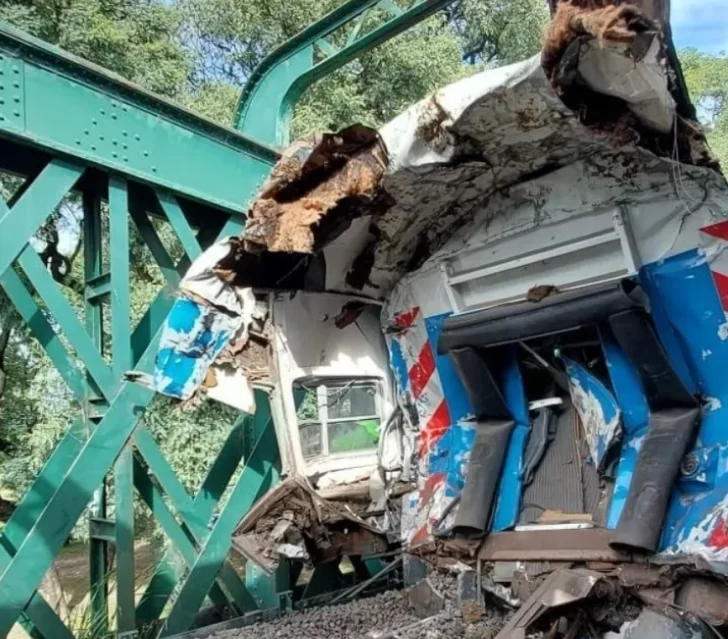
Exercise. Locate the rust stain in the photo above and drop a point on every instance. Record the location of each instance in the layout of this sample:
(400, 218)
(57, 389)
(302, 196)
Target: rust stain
(331, 175)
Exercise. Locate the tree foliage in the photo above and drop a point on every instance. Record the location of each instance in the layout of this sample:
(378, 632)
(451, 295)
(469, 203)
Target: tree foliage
(229, 38)
(707, 78)
(201, 52)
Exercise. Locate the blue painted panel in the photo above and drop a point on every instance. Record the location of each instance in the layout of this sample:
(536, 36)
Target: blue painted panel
(456, 396)
(691, 323)
(399, 366)
(509, 490)
(451, 454)
(684, 287)
(665, 330)
(597, 408)
(627, 387)
(193, 336)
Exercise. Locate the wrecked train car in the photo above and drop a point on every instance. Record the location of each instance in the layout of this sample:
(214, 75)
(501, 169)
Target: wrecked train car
(509, 304)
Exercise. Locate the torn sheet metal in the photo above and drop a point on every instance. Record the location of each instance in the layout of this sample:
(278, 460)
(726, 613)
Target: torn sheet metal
(317, 188)
(665, 624)
(635, 411)
(597, 408)
(193, 336)
(208, 315)
(292, 520)
(562, 587)
(615, 51)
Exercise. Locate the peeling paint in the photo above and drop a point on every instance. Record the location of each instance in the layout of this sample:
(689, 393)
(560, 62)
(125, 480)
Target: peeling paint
(600, 416)
(723, 331)
(708, 538)
(713, 403)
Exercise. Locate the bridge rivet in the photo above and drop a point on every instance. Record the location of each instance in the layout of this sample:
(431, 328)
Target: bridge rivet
(93, 147)
(16, 85)
(2, 117)
(113, 155)
(16, 114)
(113, 142)
(16, 70)
(146, 154)
(103, 112)
(16, 99)
(2, 101)
(93, 121)
(85, 131)
(113, 116)
(78, 141)
(126, 159)
(137, 138)
(154, 168)
(124, 146)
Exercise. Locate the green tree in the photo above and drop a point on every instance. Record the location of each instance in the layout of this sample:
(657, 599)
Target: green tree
(201, 52)
(707, 78)
(135, 38)
(229, 38)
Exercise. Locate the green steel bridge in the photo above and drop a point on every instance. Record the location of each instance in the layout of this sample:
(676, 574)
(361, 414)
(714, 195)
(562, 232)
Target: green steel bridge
(69, 127)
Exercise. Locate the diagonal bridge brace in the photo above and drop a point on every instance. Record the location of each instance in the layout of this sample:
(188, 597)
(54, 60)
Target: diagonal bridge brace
(46, 515)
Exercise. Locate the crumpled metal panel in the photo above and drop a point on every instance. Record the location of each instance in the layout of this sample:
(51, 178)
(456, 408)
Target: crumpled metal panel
(598, 410)
(207, 316)
(314, 192)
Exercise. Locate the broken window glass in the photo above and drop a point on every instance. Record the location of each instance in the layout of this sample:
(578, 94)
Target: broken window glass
(337, 416)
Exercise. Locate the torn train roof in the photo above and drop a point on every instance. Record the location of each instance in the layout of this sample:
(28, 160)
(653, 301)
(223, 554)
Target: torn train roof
(603, 89)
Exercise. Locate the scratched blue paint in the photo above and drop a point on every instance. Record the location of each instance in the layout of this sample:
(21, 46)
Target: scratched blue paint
(631, 398)
(509, 490)
(602, 434)
(665, 330)
(690, 314)
(451, 454)
(193, 336)
(456, 396)
(399, 366)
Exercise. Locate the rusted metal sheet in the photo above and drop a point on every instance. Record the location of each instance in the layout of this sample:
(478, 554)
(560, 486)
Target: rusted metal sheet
(294, 521)
(551, 545)
(334, 176)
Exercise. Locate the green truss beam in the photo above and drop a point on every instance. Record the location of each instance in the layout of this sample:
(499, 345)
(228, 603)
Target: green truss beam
(99, 118)
(266, 104)
(107, 137)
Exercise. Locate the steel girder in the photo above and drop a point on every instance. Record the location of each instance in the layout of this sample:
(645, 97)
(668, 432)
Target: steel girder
(69, 127)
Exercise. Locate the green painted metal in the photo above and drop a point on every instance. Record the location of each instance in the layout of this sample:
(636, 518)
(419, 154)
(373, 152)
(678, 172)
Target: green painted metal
(193, 529)
(120, 299)
(103, 119)
(42, 330)
(268, 590)
(21, 220)
(266, 103)
(167, 573)
(111, 140)
(216, 546)
(179, 223)
(99, 546)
